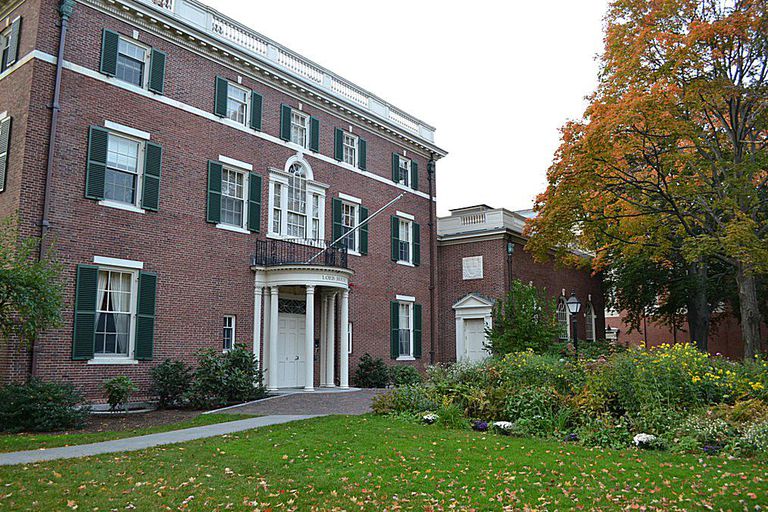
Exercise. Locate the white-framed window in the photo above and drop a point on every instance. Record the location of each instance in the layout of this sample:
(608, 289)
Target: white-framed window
(233, 204)
(237, 103)
(132, 59)
(300, 128)
(589, 322)
(405, 172)
(563, 319)
(5, 47)
(296, 205)
(115, 312)
(349, 220)
(405, 241)
(228, 332)
(405, 330)
(125, 158)
(350, 149)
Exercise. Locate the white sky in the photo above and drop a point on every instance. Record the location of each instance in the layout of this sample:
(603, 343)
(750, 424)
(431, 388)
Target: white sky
(497, 79)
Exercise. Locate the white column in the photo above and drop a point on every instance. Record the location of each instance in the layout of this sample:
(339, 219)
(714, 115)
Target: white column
(330, 351)
(344, 341)
(309, 345)
(257, 292)
(273, 324)
(323, 339)
(267, 314)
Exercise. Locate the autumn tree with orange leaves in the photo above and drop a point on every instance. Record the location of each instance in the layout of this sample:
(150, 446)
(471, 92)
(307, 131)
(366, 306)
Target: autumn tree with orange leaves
(670, 161)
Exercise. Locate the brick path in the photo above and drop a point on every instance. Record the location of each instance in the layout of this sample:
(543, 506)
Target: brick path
(317, 403)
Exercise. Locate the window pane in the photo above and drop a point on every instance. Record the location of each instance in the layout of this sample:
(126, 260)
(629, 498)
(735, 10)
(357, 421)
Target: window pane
(299, 128)
(122, 153)
(120, 186)
(405, 330)
(237, 104)
(113, 313)
(130, 62)
(350, 149)
(232, 202)
(348, 223)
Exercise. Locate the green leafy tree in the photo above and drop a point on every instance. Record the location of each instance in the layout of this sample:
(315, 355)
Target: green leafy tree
(31, 291)
(525, 319)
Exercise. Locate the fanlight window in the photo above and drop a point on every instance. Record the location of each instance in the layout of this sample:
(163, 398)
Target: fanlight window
(563, 319)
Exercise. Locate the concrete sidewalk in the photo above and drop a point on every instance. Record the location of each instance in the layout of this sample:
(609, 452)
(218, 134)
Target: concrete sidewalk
(131, 444)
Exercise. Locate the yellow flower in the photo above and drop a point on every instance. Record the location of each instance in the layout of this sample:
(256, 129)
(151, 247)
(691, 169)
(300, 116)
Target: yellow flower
(696, 379)
(757, 386)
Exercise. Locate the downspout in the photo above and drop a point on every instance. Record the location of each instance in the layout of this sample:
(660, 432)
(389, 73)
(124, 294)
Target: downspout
(66, 7)
(432, 243)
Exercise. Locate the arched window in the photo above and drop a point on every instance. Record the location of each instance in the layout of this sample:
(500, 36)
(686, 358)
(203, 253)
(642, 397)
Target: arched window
(296, 203)
(563, 319)
(589, 320)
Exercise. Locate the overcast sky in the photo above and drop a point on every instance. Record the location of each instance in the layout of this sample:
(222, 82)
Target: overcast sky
(497, 79)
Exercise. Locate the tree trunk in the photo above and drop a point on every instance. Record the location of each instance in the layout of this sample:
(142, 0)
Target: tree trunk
(698, 305)
(750, 312)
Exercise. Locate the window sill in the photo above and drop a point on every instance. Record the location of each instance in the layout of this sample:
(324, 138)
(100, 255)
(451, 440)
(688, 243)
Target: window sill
(121, 206)
(405, 264)
(405, 358)
(234, 229)
(297, 241)
(112, 361)
(354, 253)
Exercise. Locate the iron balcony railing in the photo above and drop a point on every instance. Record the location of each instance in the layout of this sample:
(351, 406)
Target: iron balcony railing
(273, 253)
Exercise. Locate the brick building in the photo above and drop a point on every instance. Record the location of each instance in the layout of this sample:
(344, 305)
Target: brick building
(191, 176)
(481, 251)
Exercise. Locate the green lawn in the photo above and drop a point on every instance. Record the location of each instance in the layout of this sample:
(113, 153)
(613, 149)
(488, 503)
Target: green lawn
(18, 442)
(377, 464)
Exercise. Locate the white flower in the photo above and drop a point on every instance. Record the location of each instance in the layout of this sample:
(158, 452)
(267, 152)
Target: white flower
(430, 417)
(644, 439)
(503, 425)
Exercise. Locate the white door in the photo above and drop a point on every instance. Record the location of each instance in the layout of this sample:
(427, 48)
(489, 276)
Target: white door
(291, 357)
(474, 339)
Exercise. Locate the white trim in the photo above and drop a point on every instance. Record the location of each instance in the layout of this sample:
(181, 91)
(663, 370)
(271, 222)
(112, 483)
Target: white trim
(405, 298)
(98, 360)
(122, 206)
(3, 115)
(405, 263)
(50, 59)
(117, 262)
(234, 332)
(351, 199)
(403, 215)
(298, 158)
(127, 130)
(406, 358)
(234, 229)
(235, 163)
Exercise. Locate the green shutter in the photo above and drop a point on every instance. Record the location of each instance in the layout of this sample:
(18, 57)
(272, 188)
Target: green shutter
(220, 98)
(98, 140)
(285, 122)
(394, 322)
(84, 333)
(336, 213)
(338, 144)
(395, 167)
(5, 145)
(157, 71)
(109, 43)
(254, 202)
(145, 316)
(214, 192)
(395, 222)
(414, 175)
(13, 44)
(314, 134)
(363, 230)
(417, 331)
(416, 244)
(256, 105)
(362, 154)
(153, 163)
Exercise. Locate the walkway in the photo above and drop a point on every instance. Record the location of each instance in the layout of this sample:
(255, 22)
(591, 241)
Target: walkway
(274, 411)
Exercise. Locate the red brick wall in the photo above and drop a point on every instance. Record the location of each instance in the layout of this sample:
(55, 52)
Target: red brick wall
(498, 271)
(203, 271)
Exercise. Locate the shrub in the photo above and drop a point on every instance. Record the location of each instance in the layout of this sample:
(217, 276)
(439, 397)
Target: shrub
(39, 406)
(451, 416)
(401, 375)
(754, 440)
(525, 319)
(604, 431)
(119, 391)
(538, 412)
(170, 381)
(371, 373)
(413, 399)
(226, 378)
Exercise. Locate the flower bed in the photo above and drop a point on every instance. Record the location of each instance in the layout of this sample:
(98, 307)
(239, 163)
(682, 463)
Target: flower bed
(670, 397)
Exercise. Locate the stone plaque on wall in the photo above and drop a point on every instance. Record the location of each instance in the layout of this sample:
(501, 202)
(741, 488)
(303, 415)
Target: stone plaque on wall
(473, 268)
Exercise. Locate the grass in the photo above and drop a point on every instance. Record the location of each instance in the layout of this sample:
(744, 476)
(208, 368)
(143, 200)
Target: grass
(18, 442)
(374, 463)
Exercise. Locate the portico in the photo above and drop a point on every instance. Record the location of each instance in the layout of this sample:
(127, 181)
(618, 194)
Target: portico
(293, 337)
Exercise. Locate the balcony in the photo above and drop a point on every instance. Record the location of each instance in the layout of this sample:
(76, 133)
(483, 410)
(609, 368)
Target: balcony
(275, 253)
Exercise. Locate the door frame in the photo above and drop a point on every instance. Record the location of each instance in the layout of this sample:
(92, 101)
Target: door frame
(473, 306)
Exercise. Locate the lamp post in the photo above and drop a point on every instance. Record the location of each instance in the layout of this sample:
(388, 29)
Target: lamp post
(574, 306)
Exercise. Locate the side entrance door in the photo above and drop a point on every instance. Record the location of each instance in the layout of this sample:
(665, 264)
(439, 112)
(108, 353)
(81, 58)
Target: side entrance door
(291, 355)
(474, 339)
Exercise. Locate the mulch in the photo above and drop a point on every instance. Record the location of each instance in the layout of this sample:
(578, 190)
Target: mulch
(120, 422)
